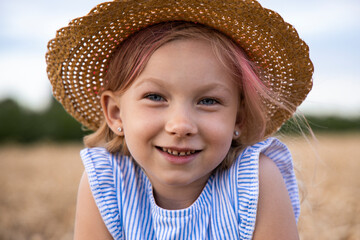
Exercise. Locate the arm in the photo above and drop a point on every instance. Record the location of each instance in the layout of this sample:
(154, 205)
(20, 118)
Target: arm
(275, 218)
(88, 222)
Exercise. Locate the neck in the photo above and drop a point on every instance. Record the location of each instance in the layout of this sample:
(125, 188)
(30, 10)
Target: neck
(177, 197)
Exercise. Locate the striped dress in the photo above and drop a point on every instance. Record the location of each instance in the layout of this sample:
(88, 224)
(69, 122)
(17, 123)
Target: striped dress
(226, 208)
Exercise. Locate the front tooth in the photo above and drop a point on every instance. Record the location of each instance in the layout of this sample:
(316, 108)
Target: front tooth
(176, 153)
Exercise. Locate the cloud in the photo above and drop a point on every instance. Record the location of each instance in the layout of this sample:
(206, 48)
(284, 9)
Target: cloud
(334, 94)
(331, 18)
(318, 17)
(23, 77)
(37, 21)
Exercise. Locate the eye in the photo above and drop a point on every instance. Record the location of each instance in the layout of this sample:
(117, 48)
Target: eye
(154, 97)
(209, 101)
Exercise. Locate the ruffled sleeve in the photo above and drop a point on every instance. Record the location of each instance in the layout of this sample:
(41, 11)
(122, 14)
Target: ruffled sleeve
(100, 170)
(247, 166)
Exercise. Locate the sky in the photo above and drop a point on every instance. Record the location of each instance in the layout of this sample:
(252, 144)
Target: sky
(330, 28)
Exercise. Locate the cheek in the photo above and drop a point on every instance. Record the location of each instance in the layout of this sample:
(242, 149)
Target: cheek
(223, 140)
(138, 119)
(139, 129)
(219, 132)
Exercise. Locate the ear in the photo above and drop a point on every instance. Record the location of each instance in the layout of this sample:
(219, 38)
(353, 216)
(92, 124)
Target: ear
(110, 104)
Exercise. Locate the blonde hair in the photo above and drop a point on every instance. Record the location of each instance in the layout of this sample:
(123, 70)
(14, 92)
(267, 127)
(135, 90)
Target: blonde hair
(131, 57)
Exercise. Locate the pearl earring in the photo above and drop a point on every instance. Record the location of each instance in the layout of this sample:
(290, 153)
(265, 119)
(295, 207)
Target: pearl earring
(119, 129)
(236, 133)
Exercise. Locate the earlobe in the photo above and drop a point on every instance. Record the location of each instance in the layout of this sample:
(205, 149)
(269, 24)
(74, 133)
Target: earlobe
(110, 104)
(236, 134)
(239, 123)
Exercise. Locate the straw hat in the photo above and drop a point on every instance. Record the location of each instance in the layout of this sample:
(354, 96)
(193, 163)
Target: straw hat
(78, 56)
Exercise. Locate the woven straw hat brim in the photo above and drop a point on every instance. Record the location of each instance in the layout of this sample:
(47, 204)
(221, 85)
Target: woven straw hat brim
(78, 56)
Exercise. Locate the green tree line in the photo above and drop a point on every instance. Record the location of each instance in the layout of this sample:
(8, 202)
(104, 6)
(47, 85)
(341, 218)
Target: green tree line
(19, 124)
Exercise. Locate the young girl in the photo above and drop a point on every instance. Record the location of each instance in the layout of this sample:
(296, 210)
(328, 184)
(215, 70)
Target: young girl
(182, 97)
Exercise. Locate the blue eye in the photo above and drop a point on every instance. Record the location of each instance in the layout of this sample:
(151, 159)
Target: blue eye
(208, 101)
(154, 97)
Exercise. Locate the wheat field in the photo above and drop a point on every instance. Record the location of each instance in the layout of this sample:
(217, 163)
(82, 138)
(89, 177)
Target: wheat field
(38, 185)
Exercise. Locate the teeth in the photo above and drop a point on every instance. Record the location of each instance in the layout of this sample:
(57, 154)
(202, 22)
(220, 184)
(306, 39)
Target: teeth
(176, 153)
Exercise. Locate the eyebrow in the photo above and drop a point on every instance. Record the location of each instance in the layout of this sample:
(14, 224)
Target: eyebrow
(162, 83)
(217, 86)
(147, 80)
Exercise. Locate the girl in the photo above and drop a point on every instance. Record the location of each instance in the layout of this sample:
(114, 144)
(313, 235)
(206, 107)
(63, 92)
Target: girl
(182, 96)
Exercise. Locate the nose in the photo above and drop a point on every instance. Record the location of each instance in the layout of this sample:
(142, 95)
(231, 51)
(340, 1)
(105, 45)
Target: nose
(181, 123)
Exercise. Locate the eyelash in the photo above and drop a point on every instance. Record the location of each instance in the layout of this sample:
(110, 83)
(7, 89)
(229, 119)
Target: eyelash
(213, 101)
(158, 98)
(152, 96)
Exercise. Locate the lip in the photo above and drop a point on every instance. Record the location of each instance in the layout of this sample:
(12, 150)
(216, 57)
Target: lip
(178, 160)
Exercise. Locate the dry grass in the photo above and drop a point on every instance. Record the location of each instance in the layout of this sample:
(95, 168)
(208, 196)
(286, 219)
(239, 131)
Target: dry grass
(38, 185)
(331, 209)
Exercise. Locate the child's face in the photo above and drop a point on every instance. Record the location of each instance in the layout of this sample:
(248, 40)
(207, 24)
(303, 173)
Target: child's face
(184, 102)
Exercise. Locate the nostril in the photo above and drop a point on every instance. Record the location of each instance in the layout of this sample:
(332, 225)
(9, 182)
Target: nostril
(181, 128)
(184, 130)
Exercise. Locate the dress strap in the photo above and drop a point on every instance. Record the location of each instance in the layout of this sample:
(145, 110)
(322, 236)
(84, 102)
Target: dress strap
(247, 168)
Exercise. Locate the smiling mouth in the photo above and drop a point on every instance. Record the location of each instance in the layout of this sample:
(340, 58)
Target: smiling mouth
(177, 152)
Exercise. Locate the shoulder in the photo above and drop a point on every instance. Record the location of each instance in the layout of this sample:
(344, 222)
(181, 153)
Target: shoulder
(267, 194)
(103, 180)
(275, 217)
(88, 220)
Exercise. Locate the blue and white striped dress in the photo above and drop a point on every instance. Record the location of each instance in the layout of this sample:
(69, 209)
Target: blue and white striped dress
(226, 208)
